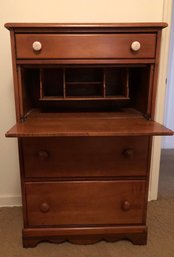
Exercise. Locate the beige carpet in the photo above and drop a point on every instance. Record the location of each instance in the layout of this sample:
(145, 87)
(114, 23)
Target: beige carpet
(160, 223)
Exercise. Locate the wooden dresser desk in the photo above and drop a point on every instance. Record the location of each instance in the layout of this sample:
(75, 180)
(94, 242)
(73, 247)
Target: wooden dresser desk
(85, 102)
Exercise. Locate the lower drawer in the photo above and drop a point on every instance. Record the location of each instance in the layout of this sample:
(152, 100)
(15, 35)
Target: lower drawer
(85, 202)
(85, 156)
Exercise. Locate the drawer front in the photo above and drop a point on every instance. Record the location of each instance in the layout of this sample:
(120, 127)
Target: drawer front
(90, 46)
(85, 156)
(75, 203)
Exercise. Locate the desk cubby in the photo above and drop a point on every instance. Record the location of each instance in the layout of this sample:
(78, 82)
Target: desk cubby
(119, 85)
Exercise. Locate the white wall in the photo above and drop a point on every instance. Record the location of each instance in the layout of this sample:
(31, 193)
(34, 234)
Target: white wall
(168, 142)
(51, 11)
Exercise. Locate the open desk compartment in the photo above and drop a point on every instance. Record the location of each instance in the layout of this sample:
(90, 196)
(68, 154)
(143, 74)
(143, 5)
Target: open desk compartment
(87, 88)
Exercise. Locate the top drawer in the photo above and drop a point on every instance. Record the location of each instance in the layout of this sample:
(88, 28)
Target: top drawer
(89, 46)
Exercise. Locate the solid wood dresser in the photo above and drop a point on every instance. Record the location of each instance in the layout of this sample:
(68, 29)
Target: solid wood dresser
(85, 103)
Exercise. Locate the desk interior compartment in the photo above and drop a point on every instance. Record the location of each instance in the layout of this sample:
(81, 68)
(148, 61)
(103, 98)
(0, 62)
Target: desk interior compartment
(86, 88)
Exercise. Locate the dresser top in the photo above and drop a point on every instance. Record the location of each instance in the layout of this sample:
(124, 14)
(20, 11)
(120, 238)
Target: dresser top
(97, 26)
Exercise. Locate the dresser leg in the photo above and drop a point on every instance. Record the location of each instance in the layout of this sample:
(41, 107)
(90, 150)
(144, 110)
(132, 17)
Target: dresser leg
(138, 239)
(29, 242)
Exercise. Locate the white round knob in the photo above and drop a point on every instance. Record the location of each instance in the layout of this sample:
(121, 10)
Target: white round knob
(135, 46)
(37, 46)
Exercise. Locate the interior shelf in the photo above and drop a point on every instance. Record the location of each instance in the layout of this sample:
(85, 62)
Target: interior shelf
(87, 98)
(83, 83)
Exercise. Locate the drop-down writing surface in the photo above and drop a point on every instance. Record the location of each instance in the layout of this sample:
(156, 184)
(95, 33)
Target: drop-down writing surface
(86, 124)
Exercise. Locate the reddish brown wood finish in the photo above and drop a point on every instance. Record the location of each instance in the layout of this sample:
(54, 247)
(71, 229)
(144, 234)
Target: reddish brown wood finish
(88, 203)
(137, 234)
(102, 46)
(87, 157)
(51, 125)
(85, 172)
(84, 61)
(85, 27)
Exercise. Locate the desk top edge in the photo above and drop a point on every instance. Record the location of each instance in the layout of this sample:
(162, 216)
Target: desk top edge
(158, 25)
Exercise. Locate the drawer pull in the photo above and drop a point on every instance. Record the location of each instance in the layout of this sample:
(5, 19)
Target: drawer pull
(44, 207)
(37, 46)
(126, 206)
(43, 155)
(129, 152)
(135, 46)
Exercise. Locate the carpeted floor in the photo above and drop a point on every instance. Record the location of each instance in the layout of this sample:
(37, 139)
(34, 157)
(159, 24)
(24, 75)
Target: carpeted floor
(160, 234)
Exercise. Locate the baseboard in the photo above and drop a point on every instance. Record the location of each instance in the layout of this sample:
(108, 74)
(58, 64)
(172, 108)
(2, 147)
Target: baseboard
(9, 201)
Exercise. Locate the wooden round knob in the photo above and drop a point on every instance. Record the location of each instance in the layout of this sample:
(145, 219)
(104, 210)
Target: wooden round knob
(135, 46)
(126, 206)
(129, 152)
(44, 207)
(37, 46)
(43, 155)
